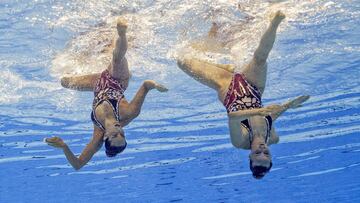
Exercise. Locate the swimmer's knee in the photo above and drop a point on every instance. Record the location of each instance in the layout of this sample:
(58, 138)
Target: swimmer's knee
(181, 62)
(65, 82)
(184, 61)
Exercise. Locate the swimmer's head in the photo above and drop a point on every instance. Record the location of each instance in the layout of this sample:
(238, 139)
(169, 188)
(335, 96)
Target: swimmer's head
(260, 161)
(115, 141)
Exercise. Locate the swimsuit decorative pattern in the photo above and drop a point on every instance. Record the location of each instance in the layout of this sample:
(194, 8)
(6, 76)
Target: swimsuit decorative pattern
(110, 90)
(241, 95)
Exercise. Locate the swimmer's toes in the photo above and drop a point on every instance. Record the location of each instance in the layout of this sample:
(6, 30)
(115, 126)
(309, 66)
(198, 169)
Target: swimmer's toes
(161, 88)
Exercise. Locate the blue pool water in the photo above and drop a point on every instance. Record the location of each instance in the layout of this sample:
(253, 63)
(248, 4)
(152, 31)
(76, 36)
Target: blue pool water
(179, 148)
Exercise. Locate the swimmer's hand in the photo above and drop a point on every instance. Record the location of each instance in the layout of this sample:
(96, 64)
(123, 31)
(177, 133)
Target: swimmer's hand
(151, 84)
(55, 142)
(297, 102)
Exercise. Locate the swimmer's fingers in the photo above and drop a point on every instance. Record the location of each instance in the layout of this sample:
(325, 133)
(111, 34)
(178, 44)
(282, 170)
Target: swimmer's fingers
(55, 142)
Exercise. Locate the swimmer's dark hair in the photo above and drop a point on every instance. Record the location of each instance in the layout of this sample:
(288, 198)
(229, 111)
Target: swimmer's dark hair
(259, 172)
(112, 151)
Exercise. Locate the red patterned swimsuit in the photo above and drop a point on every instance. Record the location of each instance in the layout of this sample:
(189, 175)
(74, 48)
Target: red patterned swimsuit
(110, 90)
(242, 95)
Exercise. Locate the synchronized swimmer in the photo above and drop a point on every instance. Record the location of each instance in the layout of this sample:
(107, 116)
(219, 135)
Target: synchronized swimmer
(110, 110)
(250, 123)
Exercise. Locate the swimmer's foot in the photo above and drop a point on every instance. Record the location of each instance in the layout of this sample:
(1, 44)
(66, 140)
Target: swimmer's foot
(277, 18)
(151, 84)
(161, 88)
(121, 25)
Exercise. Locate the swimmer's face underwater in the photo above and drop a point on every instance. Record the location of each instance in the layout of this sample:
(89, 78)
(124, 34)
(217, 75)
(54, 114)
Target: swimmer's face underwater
(260, 160)
(115, 141)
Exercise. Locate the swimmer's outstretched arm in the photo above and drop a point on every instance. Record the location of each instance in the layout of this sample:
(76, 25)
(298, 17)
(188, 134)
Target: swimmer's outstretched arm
(91, 148)
(138, 100)
(274, 110)
(277, 110)
(80, 83)
(245, 114)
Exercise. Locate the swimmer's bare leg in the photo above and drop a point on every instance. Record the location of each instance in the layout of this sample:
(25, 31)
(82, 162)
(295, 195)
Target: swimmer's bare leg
(228, 67)
(119, 65)
(255, 71)
(136, 103)
(81, 83)
(211, 42)
(207, 74)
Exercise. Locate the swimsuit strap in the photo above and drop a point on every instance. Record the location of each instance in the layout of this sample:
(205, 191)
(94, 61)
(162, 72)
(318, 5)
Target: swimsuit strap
(96, 122)
(268, 120)
(251, 135)
(115, 106)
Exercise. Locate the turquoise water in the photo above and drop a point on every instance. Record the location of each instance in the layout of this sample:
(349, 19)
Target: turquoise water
(179, 148)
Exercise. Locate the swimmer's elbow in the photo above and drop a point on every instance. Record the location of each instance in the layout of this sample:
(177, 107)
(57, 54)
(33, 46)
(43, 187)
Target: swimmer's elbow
(276, 140)
(77, 167)
(238, 144)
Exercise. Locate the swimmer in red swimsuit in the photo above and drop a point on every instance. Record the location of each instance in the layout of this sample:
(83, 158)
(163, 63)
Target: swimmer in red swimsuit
(250, 123)
(110, 112)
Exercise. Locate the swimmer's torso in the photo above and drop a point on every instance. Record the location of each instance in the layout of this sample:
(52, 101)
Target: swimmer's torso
(242, 95)
(109, 100)
(259, 128)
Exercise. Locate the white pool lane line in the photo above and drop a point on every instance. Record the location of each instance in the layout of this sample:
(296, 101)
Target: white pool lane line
(325, 171)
